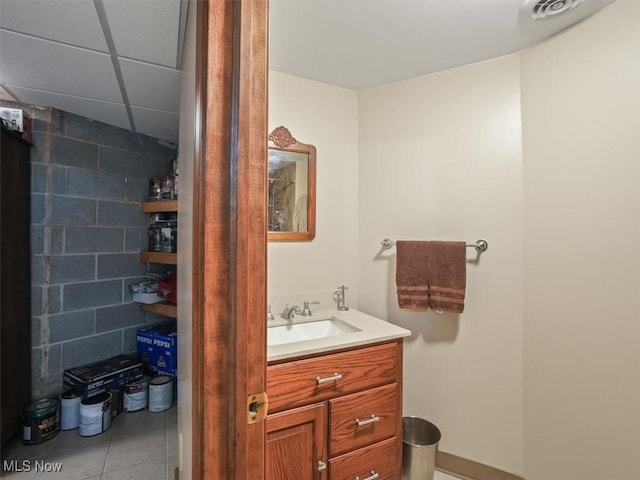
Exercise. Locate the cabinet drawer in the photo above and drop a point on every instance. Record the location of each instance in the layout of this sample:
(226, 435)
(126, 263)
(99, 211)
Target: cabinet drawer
(301, 382)
(362, 418)
(381, 458)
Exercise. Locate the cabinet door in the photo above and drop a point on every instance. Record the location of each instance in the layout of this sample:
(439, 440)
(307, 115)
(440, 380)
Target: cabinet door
(296, 443)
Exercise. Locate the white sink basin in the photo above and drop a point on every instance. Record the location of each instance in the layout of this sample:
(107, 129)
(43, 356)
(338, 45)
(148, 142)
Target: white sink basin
(308, 330)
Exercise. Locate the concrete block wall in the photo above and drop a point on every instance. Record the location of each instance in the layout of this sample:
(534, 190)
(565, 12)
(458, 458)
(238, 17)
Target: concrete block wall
(88, 179)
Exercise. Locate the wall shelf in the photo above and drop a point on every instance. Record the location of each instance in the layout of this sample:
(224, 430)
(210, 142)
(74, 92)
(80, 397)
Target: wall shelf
(162, 308)
(159, 257)
(159, 206)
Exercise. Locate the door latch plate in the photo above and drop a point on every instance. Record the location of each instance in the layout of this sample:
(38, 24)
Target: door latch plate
(257, 407)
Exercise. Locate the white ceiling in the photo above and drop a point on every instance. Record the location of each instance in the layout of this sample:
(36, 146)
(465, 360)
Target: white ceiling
(118, 61)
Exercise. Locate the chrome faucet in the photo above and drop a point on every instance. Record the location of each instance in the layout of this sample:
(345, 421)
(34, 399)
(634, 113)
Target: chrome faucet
(289, 312)
(306, 311)
(340, 298)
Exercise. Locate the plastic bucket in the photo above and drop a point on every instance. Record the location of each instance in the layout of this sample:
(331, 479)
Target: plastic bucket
(419, 447)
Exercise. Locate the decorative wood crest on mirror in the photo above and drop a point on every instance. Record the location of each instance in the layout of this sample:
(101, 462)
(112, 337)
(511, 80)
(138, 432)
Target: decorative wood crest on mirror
(291, 208)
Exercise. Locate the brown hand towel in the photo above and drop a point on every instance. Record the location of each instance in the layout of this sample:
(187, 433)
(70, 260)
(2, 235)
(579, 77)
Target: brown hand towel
(412, 274)
(447, 276)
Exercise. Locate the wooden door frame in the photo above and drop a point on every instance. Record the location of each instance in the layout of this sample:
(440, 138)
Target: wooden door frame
(229, 238)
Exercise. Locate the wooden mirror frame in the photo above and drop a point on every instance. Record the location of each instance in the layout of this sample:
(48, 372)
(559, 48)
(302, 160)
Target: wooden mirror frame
(281, 139)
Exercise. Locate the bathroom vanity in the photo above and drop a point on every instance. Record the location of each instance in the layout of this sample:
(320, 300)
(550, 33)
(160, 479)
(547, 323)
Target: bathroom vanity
(335, 403)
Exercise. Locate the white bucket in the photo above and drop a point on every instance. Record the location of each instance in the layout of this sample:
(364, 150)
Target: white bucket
(160, 393)
(95, 415)
(135, 395)
(69, 410)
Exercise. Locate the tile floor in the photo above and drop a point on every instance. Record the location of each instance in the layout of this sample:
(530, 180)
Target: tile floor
(138, 446)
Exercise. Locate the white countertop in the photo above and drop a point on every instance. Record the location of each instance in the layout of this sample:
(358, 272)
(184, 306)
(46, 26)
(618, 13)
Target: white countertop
(372, 330)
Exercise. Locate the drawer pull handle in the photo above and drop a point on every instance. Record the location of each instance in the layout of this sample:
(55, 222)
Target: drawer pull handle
(334, 378)
(373, 419)
(373, 476)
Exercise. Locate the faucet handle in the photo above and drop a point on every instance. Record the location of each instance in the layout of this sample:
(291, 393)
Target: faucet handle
(306, 311)
(270, 316)
(340, 297)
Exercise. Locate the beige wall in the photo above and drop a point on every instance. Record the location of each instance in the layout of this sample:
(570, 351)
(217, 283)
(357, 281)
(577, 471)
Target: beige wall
(539, 153)
(326, 117)
(440, 158)
(581, 118)
(185, 251)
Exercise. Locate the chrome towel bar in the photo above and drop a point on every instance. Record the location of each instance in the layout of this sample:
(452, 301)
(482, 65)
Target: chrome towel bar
(481, 245)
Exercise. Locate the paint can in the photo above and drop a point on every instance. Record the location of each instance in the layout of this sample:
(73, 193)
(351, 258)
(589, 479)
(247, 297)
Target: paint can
(40, 421)
(95, 414)
(135, 395)
(69, 410)
(116, 401)
(160, 393)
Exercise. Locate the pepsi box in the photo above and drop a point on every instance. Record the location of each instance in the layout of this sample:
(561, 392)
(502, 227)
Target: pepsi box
(157, 346)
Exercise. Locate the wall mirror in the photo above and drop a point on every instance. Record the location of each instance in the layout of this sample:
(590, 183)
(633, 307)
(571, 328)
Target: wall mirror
(291, 203)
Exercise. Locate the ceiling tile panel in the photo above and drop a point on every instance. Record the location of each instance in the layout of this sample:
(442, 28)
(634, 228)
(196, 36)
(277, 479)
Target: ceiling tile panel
(69, 21)
(156, 123)
(4, 95)
(151, 86)
(111, 113)
(45, 65)
(137, 37)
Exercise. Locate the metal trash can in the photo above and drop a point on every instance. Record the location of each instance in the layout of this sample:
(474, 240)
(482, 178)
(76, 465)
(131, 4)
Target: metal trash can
(419, 448)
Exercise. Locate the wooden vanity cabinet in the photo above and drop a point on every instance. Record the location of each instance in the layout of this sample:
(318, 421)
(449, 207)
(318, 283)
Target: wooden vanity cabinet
(337, 415)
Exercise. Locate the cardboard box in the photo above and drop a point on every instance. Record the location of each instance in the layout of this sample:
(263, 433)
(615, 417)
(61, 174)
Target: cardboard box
(104, 376)
(144, 297)
(157, 346)
(16, 120)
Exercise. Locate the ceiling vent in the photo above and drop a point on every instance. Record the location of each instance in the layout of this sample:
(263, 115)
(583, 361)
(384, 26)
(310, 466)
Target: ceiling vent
(545, 9)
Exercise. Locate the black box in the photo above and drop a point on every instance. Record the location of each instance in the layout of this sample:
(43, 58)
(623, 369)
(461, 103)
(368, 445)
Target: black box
(104, 376)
